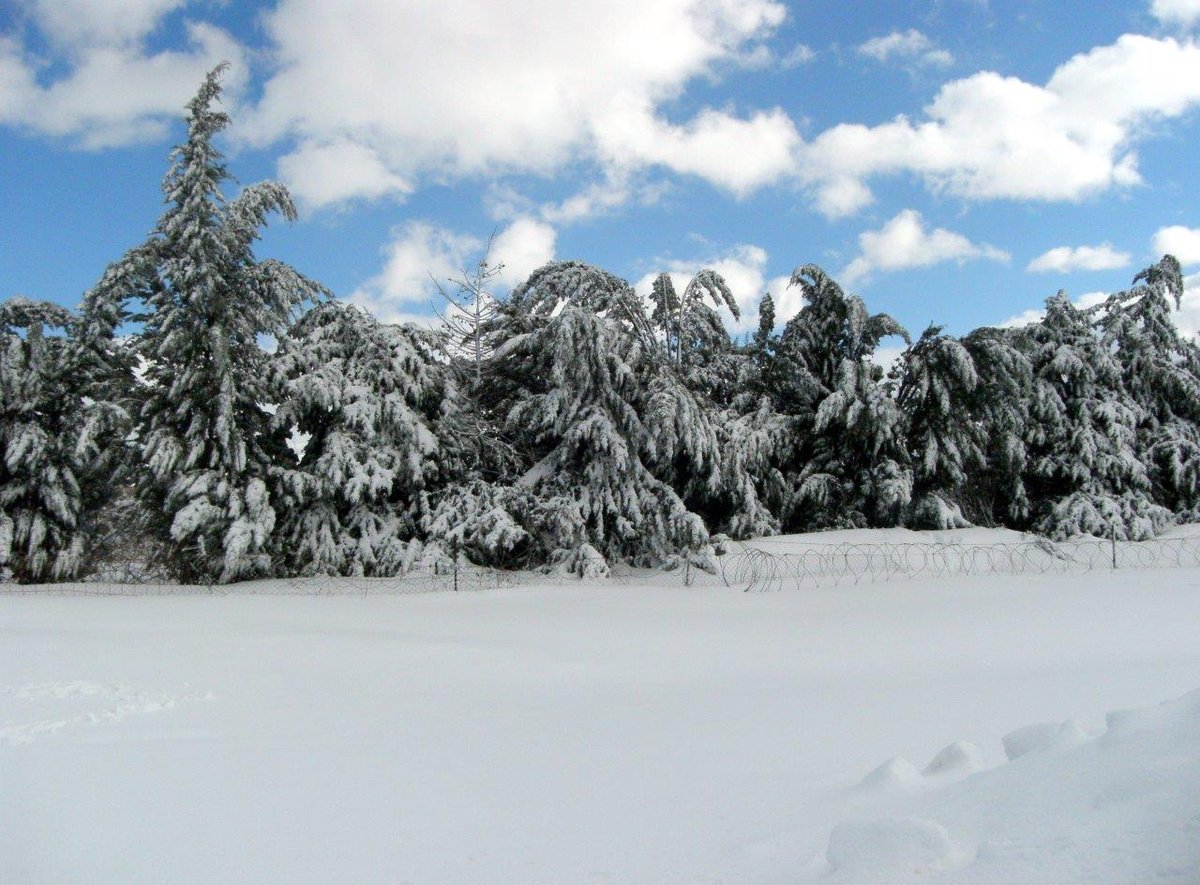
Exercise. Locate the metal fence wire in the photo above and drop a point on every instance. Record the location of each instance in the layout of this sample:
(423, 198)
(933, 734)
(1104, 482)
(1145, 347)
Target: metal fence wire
(763, 565)
(753, 567)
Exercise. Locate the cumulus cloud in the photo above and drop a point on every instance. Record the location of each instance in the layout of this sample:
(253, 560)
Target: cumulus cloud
(909, 46)
(112, 91)
(1182, 242)
(1176, 12)
(463, 88)
(422, 255)
(905, 242)
(1065, 259)
(522, 247)
(993, 137)
(323, 174)
(1187, 318)
(87, 23)
(738, 155)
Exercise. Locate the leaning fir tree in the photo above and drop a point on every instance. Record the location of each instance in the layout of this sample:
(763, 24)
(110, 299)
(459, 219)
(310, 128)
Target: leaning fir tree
(209, 455)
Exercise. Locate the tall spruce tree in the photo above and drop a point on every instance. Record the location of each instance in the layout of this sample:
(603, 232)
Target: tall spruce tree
(209, 456)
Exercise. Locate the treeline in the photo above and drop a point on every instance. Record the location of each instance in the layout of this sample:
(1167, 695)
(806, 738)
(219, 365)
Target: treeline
(569, 426)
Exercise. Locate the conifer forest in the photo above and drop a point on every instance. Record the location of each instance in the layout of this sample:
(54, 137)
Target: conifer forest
(226, 417)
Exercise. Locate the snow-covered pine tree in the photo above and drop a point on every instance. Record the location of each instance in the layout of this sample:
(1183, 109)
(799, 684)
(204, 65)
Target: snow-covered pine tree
(553, 286)
(56, 443)
(579, 413)
(935, 379)
(208, 453)
(1084, 476)
(105, 369)
(578, 375)
(468, 340)
(716, 446)
(999, 408)
(367, 399)
(693, 337)
(754, 439)
(1161, 373)
(470, 309)
(849, 466)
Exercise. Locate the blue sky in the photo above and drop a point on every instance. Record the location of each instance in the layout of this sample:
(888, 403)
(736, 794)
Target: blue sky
(952, 160)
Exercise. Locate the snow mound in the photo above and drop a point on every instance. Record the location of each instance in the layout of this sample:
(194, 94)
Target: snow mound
(896, 773)
(1066, 807)
(1043, 736)
(956, 759)
(882, 847)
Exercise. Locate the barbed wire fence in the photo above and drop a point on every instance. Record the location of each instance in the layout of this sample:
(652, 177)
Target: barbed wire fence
(768, 564)
(811, 564)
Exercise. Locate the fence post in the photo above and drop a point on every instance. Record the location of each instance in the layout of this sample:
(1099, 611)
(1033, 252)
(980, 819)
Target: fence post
(687, 568)
(1112, 529)
(454, 554)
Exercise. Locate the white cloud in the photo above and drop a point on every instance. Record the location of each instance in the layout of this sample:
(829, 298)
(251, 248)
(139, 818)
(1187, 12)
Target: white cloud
(1064, 259)
(522, 247)
(886, 356)
(904, 242)
(617, 188)
(1182, 242)
(326, 174)
(113, 91)
(1022, 319)
(801, 54)
(423, 255)
(1187, 318)
(87, 23)
(739, 155)
(910, 46)
(1177, 12)
(459, 87)
(742, 268)
(420, 256)
(993, 137)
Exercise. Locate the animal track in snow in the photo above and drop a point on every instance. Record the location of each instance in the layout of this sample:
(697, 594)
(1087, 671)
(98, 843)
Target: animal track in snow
(122, 701)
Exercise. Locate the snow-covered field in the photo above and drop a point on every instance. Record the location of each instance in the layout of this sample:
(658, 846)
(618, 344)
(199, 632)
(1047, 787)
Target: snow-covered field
(593, 733)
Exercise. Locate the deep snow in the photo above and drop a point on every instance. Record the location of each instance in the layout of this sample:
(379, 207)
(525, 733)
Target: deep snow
(607, 733)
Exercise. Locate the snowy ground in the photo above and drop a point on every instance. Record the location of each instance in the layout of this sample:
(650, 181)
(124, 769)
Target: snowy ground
(600, 733)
